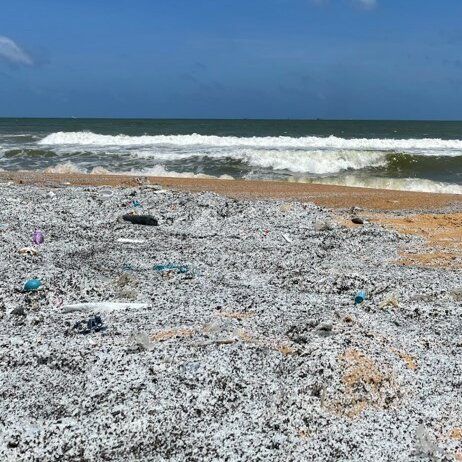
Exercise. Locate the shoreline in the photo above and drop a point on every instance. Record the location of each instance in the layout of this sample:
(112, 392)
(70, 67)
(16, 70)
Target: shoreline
(320, 194)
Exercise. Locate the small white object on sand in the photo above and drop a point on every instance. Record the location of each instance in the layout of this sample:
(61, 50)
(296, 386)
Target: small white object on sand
(28, 251)
(103, 306)
(124, 240)
(287, 238)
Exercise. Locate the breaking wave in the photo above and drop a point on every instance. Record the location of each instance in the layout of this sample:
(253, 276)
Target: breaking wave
(433, 146)
(398, 184)
(311, 154)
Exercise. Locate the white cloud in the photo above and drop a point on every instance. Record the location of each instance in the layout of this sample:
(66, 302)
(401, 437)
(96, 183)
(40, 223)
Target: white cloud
(367, 3)
(13, 53)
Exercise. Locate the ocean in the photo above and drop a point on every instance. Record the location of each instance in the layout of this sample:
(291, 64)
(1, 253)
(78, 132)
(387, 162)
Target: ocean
(404, 155)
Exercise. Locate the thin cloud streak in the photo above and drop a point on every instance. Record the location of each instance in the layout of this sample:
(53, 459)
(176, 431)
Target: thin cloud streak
(368, 4)
(13, 53)
(365, 4)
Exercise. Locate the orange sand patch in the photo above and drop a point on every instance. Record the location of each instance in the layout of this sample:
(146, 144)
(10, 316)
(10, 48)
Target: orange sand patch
(164, 335)
(364, 384)
(441, 232)
(410, 361)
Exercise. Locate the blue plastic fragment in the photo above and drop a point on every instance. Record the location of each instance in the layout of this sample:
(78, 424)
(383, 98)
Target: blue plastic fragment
(32, 284)
(360, 297)
(171, 267)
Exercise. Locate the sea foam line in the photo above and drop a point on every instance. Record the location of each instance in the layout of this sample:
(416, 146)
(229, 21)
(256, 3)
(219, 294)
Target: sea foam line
(428, 146)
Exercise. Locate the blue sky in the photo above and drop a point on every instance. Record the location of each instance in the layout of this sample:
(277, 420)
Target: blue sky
(232, 58)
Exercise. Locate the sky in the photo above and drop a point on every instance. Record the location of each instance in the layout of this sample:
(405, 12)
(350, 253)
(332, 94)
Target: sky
(339, 59)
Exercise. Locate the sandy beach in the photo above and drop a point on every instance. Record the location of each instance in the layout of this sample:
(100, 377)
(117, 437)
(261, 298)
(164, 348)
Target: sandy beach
(320, 194)
(232, 331)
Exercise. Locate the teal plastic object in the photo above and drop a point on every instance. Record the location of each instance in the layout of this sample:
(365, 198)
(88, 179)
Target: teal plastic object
(171, 267)
(32, 284)
(360, 297)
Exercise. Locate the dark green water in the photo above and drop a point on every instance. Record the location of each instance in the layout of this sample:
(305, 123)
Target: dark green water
(394, 154)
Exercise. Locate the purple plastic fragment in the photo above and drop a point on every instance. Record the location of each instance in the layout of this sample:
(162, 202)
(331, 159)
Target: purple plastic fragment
(38, 237)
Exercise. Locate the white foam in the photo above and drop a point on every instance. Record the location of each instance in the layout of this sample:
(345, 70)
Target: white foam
(429, 146)
(316, 162)
(159, 170)
(398, 184)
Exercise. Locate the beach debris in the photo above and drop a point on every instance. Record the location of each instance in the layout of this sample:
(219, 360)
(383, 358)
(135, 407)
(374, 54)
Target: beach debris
(147, 220)
(38, 237)
(123, 240)
(142, 340)
(32, 285)
(357, 221)
(457, 294)
(106, 193)
(103, 306)
(389, 301)
(171, 267)
(287, 238)
(323, 225)
(51, 194)
(426, 443)
(129, 267)
(93, 324)
(136, 203)
(126, 279)
(360, 297)
(28, 251)
(324, 329)
(19, 311)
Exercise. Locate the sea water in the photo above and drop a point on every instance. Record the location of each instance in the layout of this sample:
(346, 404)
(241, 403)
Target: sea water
(420, 156)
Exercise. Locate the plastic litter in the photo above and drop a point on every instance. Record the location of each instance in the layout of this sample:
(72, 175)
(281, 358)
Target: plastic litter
(123, 240)
(147, 220)
(323, 225)
(287, 238)
(426, 443)
(393, 301)
(136, 203)
(28, 251)
(93, 324)
(171, 267)
(32, 285)
(106, 193)
(103, 306)
(143, 341)
(360, 297)
(37, 237)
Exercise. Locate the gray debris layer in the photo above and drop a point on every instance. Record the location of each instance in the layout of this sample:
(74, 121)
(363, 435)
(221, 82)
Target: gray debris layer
(256, 352)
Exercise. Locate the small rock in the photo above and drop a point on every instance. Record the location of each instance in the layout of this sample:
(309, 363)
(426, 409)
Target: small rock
(325, 329)
(146, 220)
(19, 311)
